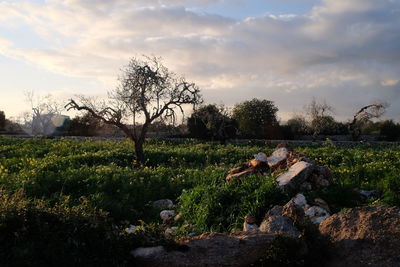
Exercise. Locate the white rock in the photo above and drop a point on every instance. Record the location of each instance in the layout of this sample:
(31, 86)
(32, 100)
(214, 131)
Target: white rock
(300, 200)
(147, 253)
(250, 227)
(295, 176)
(131, 229)
(316, 214)
(261, 157)
(278, 156)
(167, 215)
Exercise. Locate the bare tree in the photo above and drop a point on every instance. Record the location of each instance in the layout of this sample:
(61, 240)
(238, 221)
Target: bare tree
(319, 114)
(44, 111)
(366, 113)
(147, 91)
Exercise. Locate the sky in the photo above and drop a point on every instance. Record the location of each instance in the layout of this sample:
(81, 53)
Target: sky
(346, 53)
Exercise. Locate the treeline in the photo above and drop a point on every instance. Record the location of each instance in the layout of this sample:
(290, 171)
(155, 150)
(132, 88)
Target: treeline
(252, 119)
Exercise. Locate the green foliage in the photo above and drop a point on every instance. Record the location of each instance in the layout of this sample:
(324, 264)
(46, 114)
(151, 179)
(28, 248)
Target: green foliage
(211, 122)
(222, 207)
(75, 191)
(256, 118)
(35, 233)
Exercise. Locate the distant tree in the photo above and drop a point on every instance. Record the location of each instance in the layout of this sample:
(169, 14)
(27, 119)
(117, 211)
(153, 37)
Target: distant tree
(2, 120)
(45, 111)
(320, 118)
(389, 130)
(212, 122)
(256, 118)
(298, 125)
(85, 125)
(365, 114)
(147, 91)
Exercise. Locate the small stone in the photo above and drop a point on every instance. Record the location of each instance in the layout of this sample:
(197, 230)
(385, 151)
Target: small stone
(317, 214)
(250, 227)
(322, 203)
(367, 194)
(300, 200)
(163, 204)
(167, 215)
(131, 229)
(295, 208)
(282, 225)
(147, 253)
(260, 156)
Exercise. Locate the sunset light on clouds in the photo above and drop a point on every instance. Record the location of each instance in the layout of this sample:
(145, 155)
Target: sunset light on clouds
(287, 51)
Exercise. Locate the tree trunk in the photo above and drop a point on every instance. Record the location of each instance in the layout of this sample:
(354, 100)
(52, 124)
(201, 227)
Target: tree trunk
(139, 151)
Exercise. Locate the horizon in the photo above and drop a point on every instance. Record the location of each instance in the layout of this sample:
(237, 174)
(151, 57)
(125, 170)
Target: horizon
(346, 53)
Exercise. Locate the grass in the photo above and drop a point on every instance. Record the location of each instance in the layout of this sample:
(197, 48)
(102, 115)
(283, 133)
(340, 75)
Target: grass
(191, 173)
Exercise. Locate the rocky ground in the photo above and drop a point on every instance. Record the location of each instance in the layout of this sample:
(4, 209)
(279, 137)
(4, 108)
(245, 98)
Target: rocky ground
(362, 236)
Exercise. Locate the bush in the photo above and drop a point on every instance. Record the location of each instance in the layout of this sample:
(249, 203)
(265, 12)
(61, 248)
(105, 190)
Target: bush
(35, 233)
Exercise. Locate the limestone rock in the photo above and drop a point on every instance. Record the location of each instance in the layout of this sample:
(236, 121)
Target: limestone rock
(367, 194)
(147, 253)
(364, 236)
(316, 214)
(278, 156)
(250, 227)
(281, 225)
(275, 211)
(167, 215)
(295, 176)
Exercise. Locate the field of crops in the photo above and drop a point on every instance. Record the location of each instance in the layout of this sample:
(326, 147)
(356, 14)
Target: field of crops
(100, 177)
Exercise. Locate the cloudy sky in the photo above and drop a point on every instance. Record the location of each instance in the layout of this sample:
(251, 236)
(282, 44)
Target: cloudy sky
(346, 52)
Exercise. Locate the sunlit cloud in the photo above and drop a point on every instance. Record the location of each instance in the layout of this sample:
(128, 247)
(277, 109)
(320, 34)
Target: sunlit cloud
(347, 52)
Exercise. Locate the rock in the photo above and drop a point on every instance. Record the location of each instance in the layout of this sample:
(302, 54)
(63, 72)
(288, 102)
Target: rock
(367, 194)
(250, 224)
(322, 203)
(275, 211)
(281, 225)
(364, 236)
(131, 229)
(295, 176)
(167, 215)
(260, 156)
(147, 253)
(278, 157)
(211, 249)
(250, 227)
(316, 214)
(295, 208)
(299, 200)
(163, 204)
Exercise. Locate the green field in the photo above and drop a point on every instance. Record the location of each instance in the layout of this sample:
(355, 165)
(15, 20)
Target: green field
(96, 181)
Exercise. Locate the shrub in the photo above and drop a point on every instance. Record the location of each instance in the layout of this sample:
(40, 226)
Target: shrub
(34, 233)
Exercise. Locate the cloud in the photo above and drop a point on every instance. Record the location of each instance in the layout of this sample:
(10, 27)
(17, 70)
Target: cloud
(347, 52)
